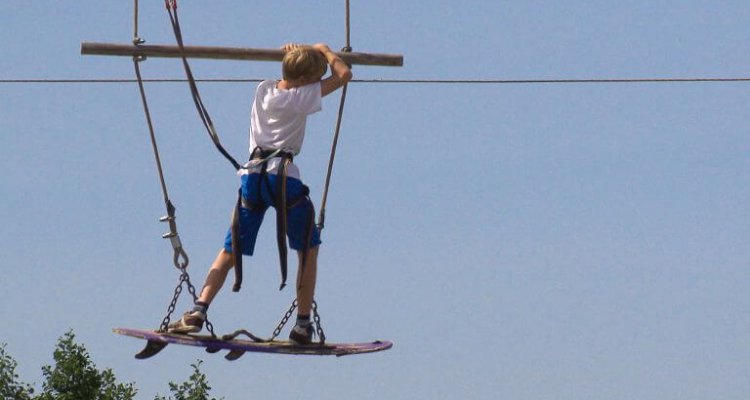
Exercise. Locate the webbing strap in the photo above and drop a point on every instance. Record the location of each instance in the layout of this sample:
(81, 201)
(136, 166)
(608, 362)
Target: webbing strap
(281, 217)
(202, 111)
(237, 243)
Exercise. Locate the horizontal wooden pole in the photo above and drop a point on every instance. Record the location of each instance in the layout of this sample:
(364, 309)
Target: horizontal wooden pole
(226, 53)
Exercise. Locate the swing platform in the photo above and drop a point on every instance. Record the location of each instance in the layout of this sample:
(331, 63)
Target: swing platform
(157, 341)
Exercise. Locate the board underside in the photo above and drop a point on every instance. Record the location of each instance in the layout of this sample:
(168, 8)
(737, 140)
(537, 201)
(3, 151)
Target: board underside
(157, 341)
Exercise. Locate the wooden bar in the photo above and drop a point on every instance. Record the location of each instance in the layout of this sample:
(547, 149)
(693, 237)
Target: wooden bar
(226, 53)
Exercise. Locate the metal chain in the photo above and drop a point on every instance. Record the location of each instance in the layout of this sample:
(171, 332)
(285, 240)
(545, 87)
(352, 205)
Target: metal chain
(318, 326)
(165, 322)
(283, 321)
(290, 312)
(184, 278)
(191, 289)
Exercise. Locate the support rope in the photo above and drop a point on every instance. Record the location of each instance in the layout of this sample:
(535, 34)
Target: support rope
(202, 111)
(180, 258)
(339, 118)
(322, 214)
(400, 81)
(136, 39)
(347, 48)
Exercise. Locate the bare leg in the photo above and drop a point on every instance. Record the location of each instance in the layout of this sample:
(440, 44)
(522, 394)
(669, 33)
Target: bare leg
(306, 281)
(217, 274)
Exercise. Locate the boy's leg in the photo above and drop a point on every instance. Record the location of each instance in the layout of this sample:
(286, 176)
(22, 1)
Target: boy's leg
(302, 331)
(306, 281)
(192, 321)
(250, 221)
(217, 274)
(302, 232)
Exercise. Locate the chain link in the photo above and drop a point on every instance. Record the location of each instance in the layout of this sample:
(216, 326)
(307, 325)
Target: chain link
(288, 315)
(283, 321)
(165, 322)
(184, 278)
(191, 290)
(318, 326)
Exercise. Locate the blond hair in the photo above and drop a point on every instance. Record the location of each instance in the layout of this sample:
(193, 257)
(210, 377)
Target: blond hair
(303, 62)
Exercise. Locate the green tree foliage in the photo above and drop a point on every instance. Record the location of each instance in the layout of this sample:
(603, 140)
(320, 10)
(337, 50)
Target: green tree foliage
(75, 377)
(195, 388)
(10, 387)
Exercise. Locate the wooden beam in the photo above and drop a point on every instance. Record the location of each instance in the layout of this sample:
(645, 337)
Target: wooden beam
(226, 53)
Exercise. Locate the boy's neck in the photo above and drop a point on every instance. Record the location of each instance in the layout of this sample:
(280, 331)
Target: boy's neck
(291, 83)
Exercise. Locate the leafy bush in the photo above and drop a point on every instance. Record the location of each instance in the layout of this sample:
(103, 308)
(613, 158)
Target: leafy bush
(74, 376)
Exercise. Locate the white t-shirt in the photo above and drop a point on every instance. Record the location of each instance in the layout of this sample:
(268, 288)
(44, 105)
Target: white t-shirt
(278, 119)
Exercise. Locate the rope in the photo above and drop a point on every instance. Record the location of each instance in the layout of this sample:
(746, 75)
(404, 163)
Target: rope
(394, 81)
(348, 47)
(552, 81)
(322, 214)
(202, 111)
(136, 39)
(180, 258)
(151, 130)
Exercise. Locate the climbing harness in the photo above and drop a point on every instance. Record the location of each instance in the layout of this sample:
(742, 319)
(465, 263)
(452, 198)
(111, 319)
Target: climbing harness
(281, 207)
(259, 158)
(171, 6)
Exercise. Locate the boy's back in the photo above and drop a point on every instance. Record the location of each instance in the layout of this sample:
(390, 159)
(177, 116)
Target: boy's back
(279, 116)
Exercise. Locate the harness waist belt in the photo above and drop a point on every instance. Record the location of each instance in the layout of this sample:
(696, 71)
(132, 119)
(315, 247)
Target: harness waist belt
(260, 154)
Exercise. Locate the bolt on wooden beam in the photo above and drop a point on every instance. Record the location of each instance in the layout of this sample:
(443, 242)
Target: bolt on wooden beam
(227, 53)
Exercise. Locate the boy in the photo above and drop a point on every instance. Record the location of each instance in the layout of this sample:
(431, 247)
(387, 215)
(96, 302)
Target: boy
(278, 118)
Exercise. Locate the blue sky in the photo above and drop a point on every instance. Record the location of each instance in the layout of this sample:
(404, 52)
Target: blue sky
(524, 241)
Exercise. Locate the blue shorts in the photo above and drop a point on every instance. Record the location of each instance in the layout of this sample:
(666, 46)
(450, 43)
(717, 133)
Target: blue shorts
(251, 219)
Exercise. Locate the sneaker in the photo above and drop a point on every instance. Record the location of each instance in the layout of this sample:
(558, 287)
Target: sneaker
(191, 322)
(301, 335)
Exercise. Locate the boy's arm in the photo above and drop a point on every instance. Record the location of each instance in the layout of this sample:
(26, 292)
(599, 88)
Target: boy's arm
(340, 71)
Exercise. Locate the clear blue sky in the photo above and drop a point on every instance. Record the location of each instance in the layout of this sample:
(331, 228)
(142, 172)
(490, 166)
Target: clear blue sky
(516, 241)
